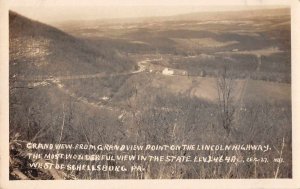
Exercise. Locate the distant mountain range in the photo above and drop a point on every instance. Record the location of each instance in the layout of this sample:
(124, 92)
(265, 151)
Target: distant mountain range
(236, 15)
(205, 15)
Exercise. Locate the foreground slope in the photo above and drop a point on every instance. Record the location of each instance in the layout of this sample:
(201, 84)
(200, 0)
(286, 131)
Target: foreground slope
(39, 49)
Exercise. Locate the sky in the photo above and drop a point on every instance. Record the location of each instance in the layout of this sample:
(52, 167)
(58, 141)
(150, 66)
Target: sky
(61, 10)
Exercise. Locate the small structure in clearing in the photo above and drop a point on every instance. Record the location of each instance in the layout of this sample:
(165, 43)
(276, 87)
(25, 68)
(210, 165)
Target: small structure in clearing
(168, 71)
(105, 98)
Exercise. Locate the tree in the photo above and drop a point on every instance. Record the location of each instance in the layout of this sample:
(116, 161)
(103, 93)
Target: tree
(225, 98)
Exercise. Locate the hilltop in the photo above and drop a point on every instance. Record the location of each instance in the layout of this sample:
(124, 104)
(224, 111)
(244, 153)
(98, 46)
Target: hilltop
(40, 49)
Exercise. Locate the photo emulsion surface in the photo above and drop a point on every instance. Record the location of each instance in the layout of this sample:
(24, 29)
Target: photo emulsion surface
(169, 93)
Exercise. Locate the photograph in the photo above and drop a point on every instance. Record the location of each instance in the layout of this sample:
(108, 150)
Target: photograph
(127, 90)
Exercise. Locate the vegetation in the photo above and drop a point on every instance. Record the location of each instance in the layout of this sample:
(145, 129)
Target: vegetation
(116, 92)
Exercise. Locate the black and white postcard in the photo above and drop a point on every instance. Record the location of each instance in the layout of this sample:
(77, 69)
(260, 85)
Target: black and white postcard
(150, 93)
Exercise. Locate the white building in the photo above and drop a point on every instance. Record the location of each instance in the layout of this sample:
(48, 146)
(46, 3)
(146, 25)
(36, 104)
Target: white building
(168, 71)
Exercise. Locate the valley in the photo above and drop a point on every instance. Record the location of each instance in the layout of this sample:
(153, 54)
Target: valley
(199, 78)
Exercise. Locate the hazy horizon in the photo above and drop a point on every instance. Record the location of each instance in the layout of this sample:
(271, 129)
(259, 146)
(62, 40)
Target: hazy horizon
(52, 11)
(56, 14)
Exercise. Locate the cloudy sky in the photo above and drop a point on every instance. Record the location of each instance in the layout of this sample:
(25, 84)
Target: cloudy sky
(60, 10)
